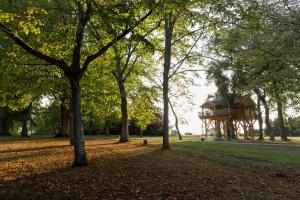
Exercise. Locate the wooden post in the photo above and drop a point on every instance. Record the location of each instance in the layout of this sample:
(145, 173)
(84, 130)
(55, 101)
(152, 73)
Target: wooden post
(237, 128)
(225, 129)
(245, 130)
(205, 126)
(251, 129)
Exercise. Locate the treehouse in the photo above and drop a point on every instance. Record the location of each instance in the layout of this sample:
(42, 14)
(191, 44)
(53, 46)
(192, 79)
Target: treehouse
(227, 119)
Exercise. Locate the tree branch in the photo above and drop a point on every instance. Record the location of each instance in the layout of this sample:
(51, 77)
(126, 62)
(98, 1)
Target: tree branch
(59, 63)
(82, 22)
(179, 64)
(188, 70)
(132, 50)
(185, 35)
(92, 57)
(131, 68)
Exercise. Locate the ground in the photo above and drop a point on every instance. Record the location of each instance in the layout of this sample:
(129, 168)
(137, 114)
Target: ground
(39, 168)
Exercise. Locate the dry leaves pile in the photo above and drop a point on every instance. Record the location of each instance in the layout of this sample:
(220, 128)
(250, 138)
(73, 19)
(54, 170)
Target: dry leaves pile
(40, 169)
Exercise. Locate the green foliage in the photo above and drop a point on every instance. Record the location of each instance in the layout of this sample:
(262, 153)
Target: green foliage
(46, 120)
(259, 50)
(240, 34)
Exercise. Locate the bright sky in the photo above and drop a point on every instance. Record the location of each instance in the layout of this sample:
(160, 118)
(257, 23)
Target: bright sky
(199, 94)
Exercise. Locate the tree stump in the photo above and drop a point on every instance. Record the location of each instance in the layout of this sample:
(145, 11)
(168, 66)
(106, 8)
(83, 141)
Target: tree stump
(145, 142)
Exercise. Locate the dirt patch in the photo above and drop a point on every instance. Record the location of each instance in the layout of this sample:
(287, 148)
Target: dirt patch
(40, 169)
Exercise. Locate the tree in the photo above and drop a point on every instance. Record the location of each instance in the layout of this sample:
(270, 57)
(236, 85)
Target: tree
(226, 88)
(260, 120)
(142, 108)
(129, 56)
(5, 121)
(78, 61)
(179, 24)
(176, 121)
(169, 26)
(247, 42)
(262, 99)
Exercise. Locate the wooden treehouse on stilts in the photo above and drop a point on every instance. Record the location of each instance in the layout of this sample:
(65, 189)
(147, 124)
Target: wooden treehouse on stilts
(227, 120)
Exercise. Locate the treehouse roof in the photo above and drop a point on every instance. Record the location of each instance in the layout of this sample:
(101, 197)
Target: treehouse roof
(219, 101)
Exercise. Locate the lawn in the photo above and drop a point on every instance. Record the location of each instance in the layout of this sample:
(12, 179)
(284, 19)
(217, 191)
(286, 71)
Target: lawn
(39, 168)
(275, 153)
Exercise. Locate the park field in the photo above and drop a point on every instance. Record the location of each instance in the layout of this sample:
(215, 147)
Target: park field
(39, 168)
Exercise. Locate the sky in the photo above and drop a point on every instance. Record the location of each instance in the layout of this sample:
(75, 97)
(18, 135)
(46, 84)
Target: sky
(190, 112)
(200, 92)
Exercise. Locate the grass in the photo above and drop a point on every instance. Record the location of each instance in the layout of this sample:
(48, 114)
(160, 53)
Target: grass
(41, 167)
(275, 153)
(283, 153)
(272, 152)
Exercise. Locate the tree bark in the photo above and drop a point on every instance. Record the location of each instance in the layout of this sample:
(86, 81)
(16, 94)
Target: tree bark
(260, 120)
(124, 136)
(231, 130)
(267, 114)
(167, 66)
(4, 128)
(218, 130)
(267, 122)
(90, 128)
(24, 118)
(79, 146)
(70, 126)
(118, 74)
(64, 119)
(107, 126)
(280, 119)
(4, 122)
(24, 131)
(176, 121)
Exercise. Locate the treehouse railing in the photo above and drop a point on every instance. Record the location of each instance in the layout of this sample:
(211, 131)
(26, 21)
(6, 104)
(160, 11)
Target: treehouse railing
(219, 112)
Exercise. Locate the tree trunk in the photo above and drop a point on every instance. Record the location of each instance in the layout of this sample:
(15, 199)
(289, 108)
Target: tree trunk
(177, 129)
(280, 119)
(245, 131)
(107, 126)
(267, 122)
(24, 117)
(24, 131)
(4, 122)
(218, 130)
(167, 66)
(260, 120)
(231, 130)
(70, 126)
(90, 128)
(79, 146)
(4, 128)
(64, 120)
(124, 136)
(176, 121)
(267, 114)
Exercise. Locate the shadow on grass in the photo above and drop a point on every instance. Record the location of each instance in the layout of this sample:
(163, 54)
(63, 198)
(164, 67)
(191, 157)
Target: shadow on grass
(150, 174)
(254, 156)
(34, 153)
(33, 149)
